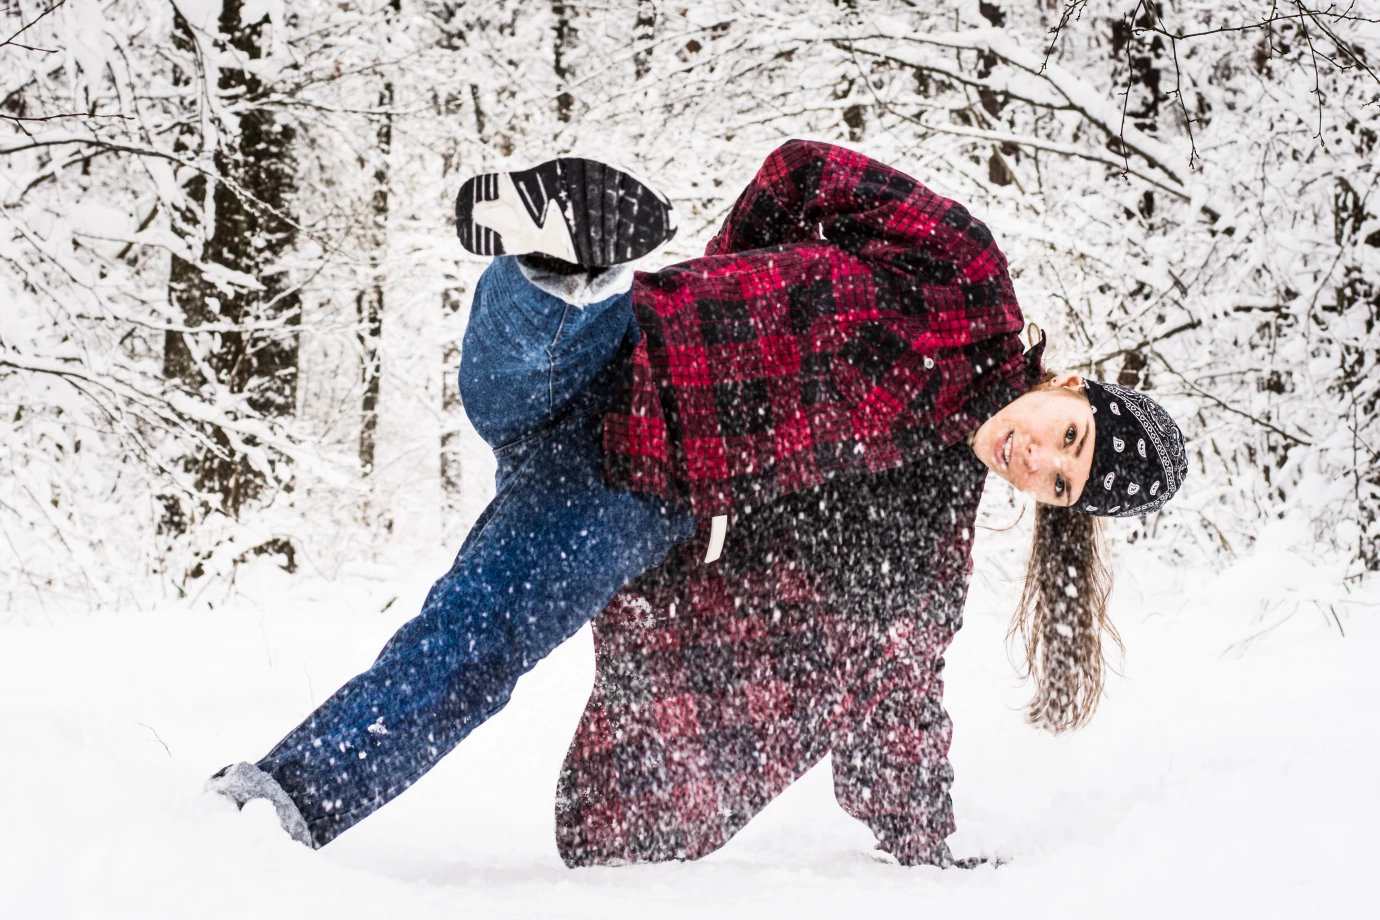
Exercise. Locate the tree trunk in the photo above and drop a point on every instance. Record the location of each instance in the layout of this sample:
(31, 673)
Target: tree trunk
(452, 409)
(565, 40)
(369, 303)
(1357, 296)
(643, 31)
(256, 351)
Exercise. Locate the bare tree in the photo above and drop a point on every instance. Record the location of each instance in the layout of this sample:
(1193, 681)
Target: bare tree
(565, 34)
(238, 218)
(369, 303)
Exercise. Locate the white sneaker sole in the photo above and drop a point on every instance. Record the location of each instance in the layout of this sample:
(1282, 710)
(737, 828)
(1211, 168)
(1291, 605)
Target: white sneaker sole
(575, 209)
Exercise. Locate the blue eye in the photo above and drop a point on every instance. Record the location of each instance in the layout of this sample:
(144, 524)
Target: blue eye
(1070, 435)
(1058, 485)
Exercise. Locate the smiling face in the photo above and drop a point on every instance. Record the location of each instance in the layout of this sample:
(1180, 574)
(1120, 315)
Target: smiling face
(1041, 442)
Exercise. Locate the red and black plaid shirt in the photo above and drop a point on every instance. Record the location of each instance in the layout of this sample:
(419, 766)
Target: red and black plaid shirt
(845, 320)
(771, 374)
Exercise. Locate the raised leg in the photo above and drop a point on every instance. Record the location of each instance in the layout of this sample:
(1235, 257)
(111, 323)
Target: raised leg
(546, 556)
(530, 358)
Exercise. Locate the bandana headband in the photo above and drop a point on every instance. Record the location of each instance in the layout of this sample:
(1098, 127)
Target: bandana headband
(1139, 461)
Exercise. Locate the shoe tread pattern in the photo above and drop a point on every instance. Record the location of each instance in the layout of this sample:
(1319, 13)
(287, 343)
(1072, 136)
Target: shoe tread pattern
(612, 217)
(477, 238)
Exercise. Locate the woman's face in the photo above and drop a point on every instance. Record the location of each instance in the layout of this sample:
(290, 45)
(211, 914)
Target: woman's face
(1042, 442)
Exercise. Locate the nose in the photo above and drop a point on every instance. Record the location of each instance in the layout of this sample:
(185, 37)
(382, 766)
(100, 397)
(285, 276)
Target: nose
(1034, 455)
(1038, 457)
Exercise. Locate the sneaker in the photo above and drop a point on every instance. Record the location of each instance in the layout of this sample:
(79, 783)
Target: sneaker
(580, 211)
(241, 782)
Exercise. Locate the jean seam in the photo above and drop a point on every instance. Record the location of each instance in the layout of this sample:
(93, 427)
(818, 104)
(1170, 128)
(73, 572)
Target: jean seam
(551, 363)
(529, 437)
(513, 480)
(547, 427)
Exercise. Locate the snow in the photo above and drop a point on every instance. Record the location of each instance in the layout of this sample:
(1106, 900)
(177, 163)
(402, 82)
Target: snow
(1220, 777)
(1229, 772)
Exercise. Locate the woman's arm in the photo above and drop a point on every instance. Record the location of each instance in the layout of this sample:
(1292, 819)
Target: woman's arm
(807, 191)
(891, 756)
(902, 567)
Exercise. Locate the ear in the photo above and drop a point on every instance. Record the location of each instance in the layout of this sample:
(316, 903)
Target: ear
(1069, 381)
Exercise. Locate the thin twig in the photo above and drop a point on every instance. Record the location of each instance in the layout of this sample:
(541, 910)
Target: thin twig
(1179, 95)
(1073, 9)
(1126, 94)
(1317, 77)
(29, 25)
(1230, 408)
(17, 118)
(1267, 23)
(1146, 343)
(156, 736)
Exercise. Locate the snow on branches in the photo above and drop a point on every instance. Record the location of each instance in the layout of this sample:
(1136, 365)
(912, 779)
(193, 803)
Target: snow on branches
(230, 275)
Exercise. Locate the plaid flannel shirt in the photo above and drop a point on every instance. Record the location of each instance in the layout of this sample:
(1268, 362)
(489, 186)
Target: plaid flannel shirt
(845, 320)
(820, 629)
(771, 374)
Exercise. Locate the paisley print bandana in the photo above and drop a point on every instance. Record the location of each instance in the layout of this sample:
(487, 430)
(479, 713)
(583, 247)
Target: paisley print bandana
(1139, 461)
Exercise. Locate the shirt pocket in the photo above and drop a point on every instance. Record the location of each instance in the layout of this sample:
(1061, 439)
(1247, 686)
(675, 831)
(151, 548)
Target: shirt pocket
(884, 373)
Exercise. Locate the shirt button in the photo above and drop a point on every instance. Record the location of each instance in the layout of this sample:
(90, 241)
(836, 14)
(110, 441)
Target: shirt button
(929, 362)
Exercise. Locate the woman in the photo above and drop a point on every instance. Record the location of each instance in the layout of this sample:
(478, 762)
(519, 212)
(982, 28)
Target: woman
(836, 375)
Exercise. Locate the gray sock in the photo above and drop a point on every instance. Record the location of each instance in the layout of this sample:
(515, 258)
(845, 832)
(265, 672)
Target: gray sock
(243, 781)
(581, 288)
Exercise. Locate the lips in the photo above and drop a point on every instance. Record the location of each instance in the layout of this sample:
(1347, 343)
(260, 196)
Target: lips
(1003, 452)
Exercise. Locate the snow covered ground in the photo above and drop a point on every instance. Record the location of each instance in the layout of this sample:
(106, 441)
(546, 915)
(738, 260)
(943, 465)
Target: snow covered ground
(1216, 780)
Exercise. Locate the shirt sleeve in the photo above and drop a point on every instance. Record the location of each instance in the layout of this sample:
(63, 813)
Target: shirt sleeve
(891, 753)
(902, 601)
(807, 191)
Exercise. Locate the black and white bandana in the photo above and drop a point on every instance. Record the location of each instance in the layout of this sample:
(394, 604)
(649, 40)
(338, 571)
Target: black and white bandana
(1138, 460)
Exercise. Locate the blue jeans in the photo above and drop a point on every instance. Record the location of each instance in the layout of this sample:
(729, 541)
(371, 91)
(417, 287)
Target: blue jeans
(547, 554)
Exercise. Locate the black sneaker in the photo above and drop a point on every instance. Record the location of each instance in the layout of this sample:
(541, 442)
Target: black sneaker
(577, 210)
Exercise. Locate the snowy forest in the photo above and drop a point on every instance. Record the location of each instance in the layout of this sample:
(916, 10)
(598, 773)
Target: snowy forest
(233, 298)
(234, 456)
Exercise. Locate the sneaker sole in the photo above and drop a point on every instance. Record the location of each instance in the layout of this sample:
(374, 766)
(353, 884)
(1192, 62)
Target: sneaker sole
(612, 217)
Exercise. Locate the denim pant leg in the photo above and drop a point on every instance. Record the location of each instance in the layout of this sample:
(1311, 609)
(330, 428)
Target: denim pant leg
(548, 553)
(530, 358)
